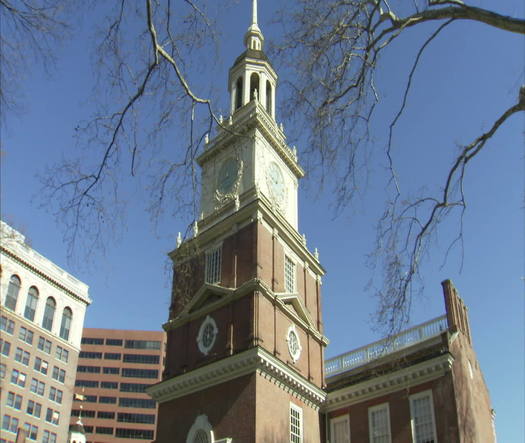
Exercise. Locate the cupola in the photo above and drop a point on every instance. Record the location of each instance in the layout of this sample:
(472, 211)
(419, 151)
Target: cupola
(252, 76)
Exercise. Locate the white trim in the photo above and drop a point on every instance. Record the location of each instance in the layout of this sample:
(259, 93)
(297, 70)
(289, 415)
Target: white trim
(290, 275)
(201, 423)
(371, 410)
(294, 353)
(336, 420)
(253, 360)
(213, 264)
(417, 396)
(299, 417)
(203, 347)
(394, 381)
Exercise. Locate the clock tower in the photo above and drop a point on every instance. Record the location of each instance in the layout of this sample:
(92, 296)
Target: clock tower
(245, 343)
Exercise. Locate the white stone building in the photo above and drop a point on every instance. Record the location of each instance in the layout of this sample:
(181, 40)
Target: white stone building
(41, 320)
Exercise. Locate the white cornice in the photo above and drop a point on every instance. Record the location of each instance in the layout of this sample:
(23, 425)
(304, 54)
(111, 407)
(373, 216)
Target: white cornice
(253, 206)
(391, 382)
(57, 278)
(231, 294)
(254, 360)
(250, 116)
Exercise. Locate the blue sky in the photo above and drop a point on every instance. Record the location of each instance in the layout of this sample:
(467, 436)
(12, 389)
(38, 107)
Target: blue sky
(469, 75)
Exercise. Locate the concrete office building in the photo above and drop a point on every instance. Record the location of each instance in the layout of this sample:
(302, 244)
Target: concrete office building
(41, 320)
(114, 369)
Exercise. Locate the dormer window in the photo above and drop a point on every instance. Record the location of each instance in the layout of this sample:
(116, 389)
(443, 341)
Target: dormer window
(289, 275)
(212, 271)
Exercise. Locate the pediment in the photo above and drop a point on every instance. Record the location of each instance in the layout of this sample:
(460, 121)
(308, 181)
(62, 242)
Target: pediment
(294, 303)
(206, 295)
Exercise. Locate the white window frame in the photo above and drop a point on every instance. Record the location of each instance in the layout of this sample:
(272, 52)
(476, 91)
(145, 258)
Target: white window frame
(208, 323)
(335, 421)
(295, 353)
(297, 410)
(290, 275)
(213, 265)
(371, 410)
(417, 396)
(201, 423)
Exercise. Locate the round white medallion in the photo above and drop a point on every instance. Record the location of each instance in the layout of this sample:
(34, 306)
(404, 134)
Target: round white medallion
(207, 335)
(294, 345)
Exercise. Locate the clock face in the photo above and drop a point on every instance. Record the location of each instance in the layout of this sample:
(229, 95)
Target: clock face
(228, 174)
(275, 181)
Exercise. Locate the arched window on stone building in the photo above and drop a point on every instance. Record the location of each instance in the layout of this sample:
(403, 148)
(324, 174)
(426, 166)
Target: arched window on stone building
(12, 292)
(49, 313)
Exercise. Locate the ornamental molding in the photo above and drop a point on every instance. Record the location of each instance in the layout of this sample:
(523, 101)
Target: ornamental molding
(230, 294)
(253, 207)
(250, 117)
(255, 360)
(207, 326)
(294, 343)
(391, 382)
(53, 282)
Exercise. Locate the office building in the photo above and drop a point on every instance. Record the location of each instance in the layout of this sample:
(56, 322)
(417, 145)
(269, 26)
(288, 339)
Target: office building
(114, 369)
(41, 320)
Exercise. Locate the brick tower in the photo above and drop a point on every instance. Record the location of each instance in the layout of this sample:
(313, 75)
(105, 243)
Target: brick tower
(245, 341)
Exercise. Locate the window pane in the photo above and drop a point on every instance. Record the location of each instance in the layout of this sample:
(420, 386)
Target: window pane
(49, 314)
(422, 419)
(12, 292)
(31, 302)
(65, 325)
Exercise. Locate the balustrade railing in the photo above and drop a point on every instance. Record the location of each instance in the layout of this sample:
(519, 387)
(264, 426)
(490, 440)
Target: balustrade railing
(373, 351)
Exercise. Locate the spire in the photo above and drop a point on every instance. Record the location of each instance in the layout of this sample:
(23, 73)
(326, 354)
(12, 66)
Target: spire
(254, 12)
(253, 39)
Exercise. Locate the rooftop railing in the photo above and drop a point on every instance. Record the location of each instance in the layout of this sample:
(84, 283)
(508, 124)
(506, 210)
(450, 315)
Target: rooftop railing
(378, 349)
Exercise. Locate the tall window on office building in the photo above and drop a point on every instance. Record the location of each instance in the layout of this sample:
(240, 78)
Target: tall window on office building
(296, 424)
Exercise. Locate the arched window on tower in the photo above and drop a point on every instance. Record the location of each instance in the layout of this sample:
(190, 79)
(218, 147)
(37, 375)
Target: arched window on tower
(65, 326)
(31, 302)
(254, 85)
(268, 97)
(238, 93)
(12, 292)
(49, 313)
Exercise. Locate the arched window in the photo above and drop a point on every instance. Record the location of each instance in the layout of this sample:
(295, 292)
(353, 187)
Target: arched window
(268, 97)
(201, 431)
(65, 326)
(12, 292)
(49, 313)
(201, 437)
(238, 93)
(31, 302)
(254, 85)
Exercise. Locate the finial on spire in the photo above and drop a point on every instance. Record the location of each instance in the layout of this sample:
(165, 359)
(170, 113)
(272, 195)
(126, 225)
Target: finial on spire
(254, 12)
(253, 38)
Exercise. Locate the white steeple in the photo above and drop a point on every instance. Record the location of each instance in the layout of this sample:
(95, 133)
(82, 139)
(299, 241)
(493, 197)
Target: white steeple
(252, 77)
(253, 39)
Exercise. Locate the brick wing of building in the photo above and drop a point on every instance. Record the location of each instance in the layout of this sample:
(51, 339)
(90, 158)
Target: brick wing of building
(41, 319)
(422, 385)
